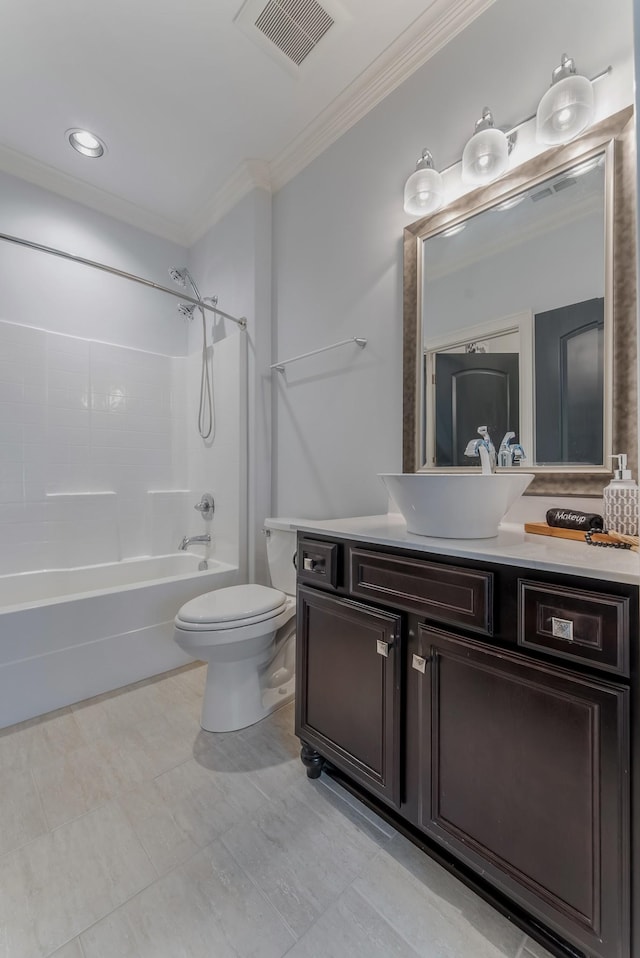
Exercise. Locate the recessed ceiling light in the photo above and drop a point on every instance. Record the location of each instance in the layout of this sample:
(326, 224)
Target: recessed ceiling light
(86, 143)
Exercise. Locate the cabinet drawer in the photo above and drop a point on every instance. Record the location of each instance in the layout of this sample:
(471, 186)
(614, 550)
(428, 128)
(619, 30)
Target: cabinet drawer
(441, 592)
(317, 562)
(573, 624)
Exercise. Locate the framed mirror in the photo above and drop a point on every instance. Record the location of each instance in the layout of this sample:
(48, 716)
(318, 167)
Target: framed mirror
(519, 314)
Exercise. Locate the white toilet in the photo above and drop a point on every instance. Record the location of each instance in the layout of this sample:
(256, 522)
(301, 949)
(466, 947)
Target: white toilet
(246, 635)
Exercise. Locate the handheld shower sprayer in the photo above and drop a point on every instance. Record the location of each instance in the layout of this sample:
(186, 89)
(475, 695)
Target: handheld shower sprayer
(206, 412)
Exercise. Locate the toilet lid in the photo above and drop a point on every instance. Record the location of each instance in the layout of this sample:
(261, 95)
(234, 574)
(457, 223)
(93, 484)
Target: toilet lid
(233, 604)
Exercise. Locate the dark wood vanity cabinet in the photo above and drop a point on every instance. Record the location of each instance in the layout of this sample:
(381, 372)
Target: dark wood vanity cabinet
(524, 775)
(488, 711)
(348, 691)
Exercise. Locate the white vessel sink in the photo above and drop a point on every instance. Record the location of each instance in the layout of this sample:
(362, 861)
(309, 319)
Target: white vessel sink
(455, 505)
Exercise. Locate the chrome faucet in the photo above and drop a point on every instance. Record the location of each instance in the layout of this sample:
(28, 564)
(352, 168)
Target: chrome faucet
(188, 540)
(510, 453)
(484, 448)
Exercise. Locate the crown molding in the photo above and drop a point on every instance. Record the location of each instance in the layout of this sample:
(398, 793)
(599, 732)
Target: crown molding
(27, 168)
(422, 40)
(428, 34)
(250, 175)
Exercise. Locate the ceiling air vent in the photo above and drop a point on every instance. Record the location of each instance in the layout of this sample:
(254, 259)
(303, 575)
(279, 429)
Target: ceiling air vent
(295, 26)
(290, 29)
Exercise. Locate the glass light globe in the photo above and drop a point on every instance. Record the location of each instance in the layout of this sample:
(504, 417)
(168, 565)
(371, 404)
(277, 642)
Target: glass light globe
(485, 157)
(566, 109)
(423, 193)
(424, 190)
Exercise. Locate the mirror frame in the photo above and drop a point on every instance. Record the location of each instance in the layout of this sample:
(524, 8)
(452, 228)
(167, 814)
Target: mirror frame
(616, 136)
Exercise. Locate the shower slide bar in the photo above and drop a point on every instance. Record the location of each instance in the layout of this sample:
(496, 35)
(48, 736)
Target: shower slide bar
(314, 352)
(242, 322)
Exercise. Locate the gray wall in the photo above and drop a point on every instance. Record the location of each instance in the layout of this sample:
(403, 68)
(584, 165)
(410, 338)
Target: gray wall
(338, 229)
(65, 297)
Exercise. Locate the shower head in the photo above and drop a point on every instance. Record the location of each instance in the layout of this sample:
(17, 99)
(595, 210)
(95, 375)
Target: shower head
(178, 276)
(186, 310)
(182, 276)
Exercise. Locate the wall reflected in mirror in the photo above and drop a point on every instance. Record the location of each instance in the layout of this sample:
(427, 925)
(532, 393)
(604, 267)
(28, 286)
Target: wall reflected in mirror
(513, 320)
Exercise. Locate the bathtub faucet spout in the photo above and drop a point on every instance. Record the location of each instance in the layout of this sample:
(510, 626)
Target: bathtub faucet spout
(188, 540)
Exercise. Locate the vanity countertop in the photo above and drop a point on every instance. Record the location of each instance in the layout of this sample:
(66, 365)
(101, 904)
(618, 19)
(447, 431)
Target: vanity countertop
(512, 546)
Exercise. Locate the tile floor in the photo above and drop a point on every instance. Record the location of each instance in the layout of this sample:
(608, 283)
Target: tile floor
(128, 832)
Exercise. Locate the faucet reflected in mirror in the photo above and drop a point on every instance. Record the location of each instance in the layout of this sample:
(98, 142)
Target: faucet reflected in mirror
(510, 452)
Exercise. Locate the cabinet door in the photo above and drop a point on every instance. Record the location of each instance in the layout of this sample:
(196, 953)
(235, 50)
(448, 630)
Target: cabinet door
(348, 692)
(524, 775)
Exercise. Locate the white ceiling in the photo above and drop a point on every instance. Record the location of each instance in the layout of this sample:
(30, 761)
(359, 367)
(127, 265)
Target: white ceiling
(194, 112)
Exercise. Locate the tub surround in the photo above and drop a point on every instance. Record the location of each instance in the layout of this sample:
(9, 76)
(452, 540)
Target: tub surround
(99, 454)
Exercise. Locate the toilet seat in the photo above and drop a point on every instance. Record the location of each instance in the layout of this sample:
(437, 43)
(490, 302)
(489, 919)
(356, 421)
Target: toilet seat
(196, 637)
(235, 607)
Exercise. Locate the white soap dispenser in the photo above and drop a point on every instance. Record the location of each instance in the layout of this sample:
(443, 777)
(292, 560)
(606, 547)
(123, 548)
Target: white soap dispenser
(621, 500)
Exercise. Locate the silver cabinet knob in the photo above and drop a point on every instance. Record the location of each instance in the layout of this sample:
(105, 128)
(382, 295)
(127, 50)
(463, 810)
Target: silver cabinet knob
(562, 628)
(308, 564)
(382, 648)
(418, 663)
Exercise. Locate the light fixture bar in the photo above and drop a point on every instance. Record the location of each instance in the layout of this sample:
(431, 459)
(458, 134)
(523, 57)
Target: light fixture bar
(514, 129)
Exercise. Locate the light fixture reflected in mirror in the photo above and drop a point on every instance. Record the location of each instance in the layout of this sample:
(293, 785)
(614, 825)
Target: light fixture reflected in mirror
(566, 109)
(424, 190)
(486, 155)
(453, 230)
(588, 165)
(509, 204)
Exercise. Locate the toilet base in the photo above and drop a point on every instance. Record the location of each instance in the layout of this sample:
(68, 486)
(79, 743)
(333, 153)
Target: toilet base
(240, 693)
(244, 705)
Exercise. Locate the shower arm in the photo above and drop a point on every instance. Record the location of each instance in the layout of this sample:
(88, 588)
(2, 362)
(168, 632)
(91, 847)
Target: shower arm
(242, 322)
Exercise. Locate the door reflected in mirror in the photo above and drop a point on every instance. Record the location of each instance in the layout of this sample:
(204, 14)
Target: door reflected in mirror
(515, 308)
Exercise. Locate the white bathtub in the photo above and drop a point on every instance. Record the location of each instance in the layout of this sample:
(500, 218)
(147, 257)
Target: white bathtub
(69, 634)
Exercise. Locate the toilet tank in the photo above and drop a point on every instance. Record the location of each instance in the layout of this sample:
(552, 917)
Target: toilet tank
(281, 549)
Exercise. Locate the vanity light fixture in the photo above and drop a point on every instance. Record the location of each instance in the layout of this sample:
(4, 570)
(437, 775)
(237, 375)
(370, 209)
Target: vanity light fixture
(86, 143)
(566, 109)
(563, 112)
(486, 155)
(424, 190)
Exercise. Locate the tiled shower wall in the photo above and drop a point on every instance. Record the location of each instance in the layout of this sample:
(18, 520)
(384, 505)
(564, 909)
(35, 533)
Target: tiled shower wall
(93, 450)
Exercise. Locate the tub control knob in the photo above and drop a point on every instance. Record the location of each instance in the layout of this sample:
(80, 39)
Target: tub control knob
(206, 506)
